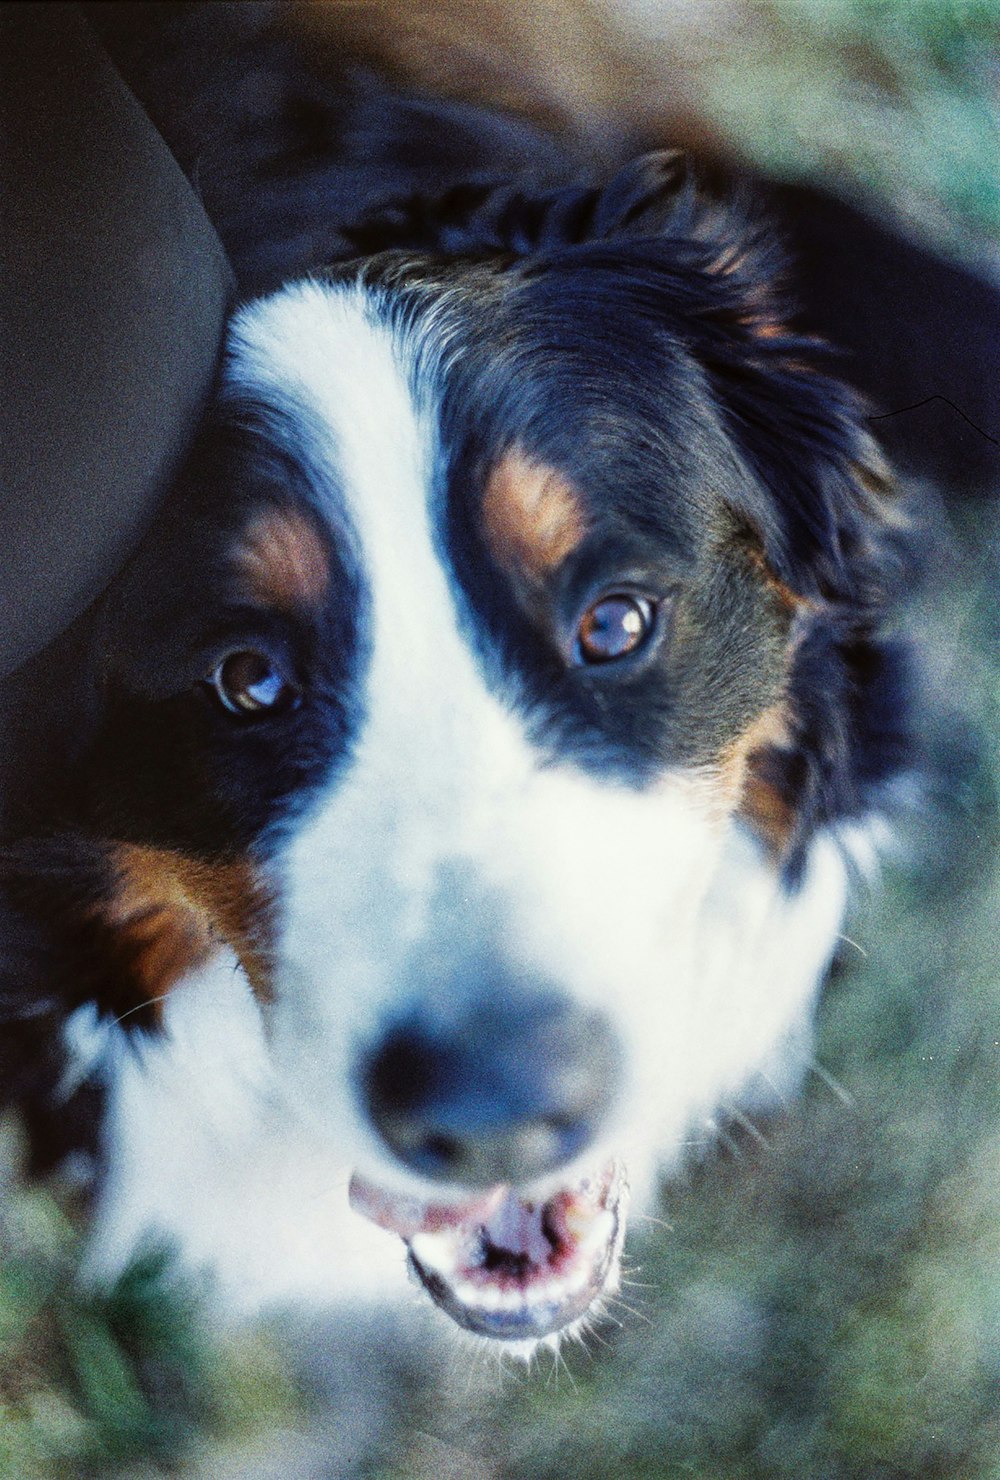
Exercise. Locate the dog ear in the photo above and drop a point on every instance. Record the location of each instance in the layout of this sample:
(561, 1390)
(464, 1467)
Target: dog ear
(478, 219)
(834, 528)
(822, 506)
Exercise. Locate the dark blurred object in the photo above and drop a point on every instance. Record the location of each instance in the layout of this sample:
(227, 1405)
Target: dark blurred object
(291, 136)
(921, 335)
(289, 139)
(115, 291)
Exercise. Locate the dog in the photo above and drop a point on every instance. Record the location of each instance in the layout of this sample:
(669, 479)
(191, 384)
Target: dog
(455, 801)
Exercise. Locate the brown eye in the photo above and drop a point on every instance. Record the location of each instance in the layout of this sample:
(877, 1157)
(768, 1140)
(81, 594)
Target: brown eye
(250, 683)
(614, 626)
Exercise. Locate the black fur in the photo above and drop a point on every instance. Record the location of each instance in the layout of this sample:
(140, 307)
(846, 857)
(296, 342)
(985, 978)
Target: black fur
(50, 963)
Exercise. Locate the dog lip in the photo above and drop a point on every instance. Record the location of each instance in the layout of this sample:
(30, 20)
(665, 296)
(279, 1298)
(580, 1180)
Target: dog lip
(505, 1266)
(410, 1215)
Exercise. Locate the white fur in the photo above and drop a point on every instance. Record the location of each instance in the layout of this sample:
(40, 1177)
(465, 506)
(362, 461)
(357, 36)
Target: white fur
(446, 836)
(203, 1155)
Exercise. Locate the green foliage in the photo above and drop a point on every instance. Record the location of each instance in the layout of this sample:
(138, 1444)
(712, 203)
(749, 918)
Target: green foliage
(91, 1381)
(898, 100)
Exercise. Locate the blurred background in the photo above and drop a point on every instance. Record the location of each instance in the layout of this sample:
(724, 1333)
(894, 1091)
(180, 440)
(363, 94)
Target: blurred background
(822, 1295)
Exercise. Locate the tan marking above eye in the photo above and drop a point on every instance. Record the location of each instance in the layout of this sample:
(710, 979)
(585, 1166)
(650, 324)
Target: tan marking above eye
(282, 558)
(532, 514)
(167, 914)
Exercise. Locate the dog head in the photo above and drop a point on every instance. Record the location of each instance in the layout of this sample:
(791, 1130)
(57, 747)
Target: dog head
(435, 697)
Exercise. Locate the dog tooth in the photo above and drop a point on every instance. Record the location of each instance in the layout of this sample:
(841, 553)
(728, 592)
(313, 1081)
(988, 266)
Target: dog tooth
(575, 1280)
(572, 1284)
(491, 1297)
(577, 1219)
(600, 1232)
(467, 1294)
(432, 1250)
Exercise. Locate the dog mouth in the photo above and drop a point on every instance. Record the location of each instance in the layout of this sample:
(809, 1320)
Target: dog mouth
(508, 1267)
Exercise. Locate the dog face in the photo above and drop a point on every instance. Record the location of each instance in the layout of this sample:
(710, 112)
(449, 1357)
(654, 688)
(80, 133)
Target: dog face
(433, 701)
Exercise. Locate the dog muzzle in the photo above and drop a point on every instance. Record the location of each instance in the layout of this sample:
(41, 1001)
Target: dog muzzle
(509, 1267)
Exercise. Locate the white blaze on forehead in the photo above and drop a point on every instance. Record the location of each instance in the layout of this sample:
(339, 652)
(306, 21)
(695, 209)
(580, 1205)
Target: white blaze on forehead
(430, 725)
(324, 355)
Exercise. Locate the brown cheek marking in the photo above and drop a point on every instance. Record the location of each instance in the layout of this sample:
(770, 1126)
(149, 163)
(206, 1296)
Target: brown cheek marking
(168, 914)
(532, 514)
(240, 910)
(743, 781)
(769, 730)
(282, 559)
(770, 815)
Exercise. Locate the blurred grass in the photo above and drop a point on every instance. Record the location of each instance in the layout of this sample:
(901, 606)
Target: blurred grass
(893, 102)
(899, 99)
(92, 1382)
(828, 1306)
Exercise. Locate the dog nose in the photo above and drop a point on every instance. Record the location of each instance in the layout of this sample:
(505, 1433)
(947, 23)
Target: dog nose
(506, 1094)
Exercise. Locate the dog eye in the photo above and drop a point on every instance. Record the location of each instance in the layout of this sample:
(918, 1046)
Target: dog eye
(613, 627)
(250, 683)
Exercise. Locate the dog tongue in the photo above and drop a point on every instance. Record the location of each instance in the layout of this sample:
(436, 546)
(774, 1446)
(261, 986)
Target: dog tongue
(514, 1228)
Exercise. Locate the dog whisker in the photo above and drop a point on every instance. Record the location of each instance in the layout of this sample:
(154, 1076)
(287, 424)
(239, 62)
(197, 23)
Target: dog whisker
(834, 1085)
(649, 1218)
(777, 1093)
(560, 1361)
(140, 1006)
(859, 948)
(720, 1137)
(341, 1184)
(630, 1310)
(594, 1334)
(747, 1124)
